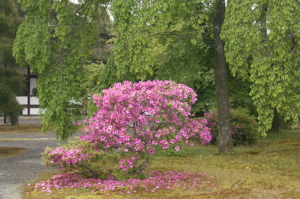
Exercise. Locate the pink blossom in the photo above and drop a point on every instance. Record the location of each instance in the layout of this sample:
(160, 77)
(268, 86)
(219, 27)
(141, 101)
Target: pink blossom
(155, 181)
(151, 151)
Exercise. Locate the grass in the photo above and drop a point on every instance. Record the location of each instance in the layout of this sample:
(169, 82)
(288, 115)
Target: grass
(20, 128)
(270, 169)
(9, 151)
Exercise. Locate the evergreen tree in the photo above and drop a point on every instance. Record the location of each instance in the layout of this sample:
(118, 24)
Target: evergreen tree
(11, 82)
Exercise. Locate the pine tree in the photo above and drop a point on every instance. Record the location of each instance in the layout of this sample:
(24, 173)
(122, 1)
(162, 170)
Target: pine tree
(11, 82)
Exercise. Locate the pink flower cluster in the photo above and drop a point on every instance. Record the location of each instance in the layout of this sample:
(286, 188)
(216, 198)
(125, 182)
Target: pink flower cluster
(155, 181)
(128, 162)
(63, 156)
(136, 116)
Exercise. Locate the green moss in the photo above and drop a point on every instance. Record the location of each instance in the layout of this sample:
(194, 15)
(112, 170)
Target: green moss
(20, 128)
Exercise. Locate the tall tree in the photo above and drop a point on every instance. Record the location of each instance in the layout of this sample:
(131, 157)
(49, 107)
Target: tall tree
(225, 144)
(56, 40)
(262, 46)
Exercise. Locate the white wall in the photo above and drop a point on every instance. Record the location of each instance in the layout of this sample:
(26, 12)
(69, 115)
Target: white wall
(23, 100)
(34, 101)
(33, 111)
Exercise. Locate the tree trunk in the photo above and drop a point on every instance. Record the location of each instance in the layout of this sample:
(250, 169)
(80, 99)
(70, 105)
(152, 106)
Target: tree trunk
(14, 120)
(225, 144)
(275, 123)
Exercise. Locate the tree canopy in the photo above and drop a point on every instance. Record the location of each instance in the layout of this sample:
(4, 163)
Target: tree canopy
(172, 40)
(158, 39)
(56, 40)
(262, 46)
(162, 40)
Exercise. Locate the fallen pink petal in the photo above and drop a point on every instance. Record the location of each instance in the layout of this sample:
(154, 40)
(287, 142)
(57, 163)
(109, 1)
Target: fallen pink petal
(156, 181)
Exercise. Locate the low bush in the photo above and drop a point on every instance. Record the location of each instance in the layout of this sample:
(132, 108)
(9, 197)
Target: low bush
(244, 127)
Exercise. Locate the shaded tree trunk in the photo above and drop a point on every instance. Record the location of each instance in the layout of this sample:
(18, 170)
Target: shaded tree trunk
(225, 144)
(14, 120)
(275, 123)
(14, 111)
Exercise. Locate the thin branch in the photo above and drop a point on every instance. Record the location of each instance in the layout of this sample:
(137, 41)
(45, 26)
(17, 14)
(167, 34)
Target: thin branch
(167, 32)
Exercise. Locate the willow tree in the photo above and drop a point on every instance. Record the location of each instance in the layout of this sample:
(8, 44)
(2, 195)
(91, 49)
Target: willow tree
(56, 40)
(262, 46)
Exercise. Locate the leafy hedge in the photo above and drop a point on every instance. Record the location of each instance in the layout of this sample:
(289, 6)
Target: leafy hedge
(244, 127)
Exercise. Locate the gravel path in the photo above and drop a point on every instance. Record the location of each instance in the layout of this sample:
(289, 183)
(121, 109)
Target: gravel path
(27, 166)
(21, 169)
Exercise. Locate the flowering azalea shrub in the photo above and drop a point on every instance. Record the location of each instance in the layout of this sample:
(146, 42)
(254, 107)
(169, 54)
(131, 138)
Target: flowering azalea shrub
(244, 127)
(131, 120)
